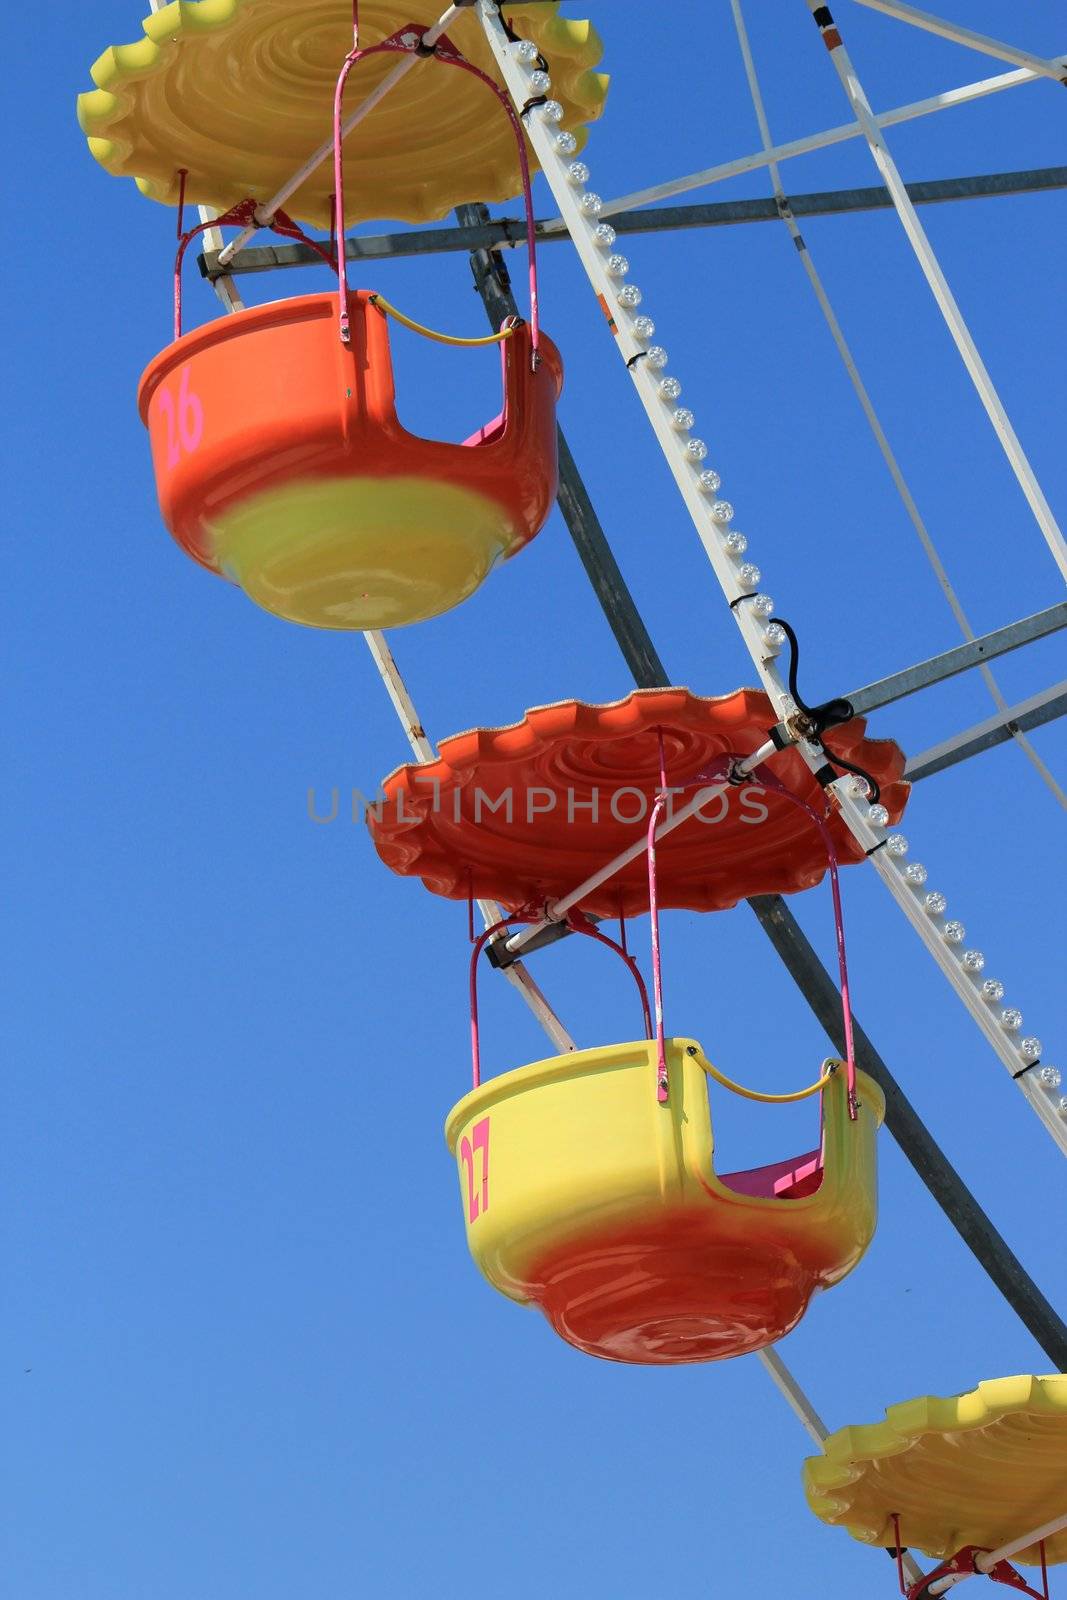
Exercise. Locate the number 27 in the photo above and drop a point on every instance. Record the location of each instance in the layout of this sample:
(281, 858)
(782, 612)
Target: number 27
(479, 1140)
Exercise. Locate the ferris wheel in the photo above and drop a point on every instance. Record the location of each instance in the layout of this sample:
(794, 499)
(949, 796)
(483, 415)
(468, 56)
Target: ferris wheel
(282, 466)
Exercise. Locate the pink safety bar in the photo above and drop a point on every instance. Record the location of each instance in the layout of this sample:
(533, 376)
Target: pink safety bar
(444, 50)
(528, 915)
(764, 780)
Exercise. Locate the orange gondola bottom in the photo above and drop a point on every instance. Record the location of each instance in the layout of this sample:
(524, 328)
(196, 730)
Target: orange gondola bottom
(281, 464)
(523, 814)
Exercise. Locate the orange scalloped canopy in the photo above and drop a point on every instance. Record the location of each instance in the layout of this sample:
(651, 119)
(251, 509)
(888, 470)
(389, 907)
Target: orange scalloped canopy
(524, 813)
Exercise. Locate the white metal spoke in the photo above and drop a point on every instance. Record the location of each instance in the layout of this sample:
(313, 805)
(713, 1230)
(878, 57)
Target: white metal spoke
(517, 975)
(867, 404)
(974, 41)
(751, 608)
(813, 141)
(942, 294)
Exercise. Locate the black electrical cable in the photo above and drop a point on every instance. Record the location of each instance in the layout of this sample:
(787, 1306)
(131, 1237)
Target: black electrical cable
(830, 714)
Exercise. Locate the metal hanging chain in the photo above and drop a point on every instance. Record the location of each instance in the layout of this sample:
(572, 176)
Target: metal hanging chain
(751, 607)
(867, 405)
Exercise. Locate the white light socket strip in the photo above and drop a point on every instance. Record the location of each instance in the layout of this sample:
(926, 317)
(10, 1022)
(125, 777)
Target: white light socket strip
(739, 578)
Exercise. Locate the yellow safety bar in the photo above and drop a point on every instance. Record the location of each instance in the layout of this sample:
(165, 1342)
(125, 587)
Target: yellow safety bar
(429, 333)
(757, 1094)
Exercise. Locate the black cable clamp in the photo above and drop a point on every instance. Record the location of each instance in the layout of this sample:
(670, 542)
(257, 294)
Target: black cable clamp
(640, 356)
(533, 103)
(811, 722)
(1029, 1067)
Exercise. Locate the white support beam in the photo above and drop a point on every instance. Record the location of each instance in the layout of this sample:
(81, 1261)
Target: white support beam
(874, 422)
(967, 36)
(517, 975)
(814, 1426)
(814, 141)
(622, 305)
(986, 1560)
(225, 287)
(946, 301)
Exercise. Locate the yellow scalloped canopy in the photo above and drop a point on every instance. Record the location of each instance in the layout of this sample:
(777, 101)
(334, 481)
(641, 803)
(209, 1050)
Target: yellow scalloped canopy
(979, 1468)
(240, 93)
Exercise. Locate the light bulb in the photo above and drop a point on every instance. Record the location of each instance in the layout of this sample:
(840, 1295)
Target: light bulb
(954, 932)
(1011, 1020)
(1062, 1107)
(973, 960)
(551, 111)
(915, 873)
(682, 419)
(696, 449)
(749, 574)
(897, 845)
(1050, 1078)
(617, 266)
(629, 296)
(993, 991)
(710, 481)
(566, 143)
(774, 636)
(526, 50)
(722, 511)
(858, 788)
(578, 173)
(644, 327)
(540, 82)
(657, 357)
(735, 542)
(1030, 1049)
(604, 235)
(669, 388)
(590, 204)
(935, 903)
(878, 817)
(763, 605)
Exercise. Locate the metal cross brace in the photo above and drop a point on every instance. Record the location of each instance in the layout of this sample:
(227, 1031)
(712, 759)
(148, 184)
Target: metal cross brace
(507, 233)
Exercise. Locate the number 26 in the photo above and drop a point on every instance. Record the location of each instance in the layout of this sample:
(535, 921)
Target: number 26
(184, 422)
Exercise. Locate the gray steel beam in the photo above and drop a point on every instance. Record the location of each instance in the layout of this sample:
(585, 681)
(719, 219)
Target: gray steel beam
(997, 729)
(819, 989)
(507, 233)
(960, 659)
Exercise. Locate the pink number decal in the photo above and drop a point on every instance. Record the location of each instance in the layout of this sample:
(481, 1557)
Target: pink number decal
(184, 424)
(476, 1205)
(166, 411)
(190, 416)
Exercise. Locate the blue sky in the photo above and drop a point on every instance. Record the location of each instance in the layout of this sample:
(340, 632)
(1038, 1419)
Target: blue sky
(260, 1361)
